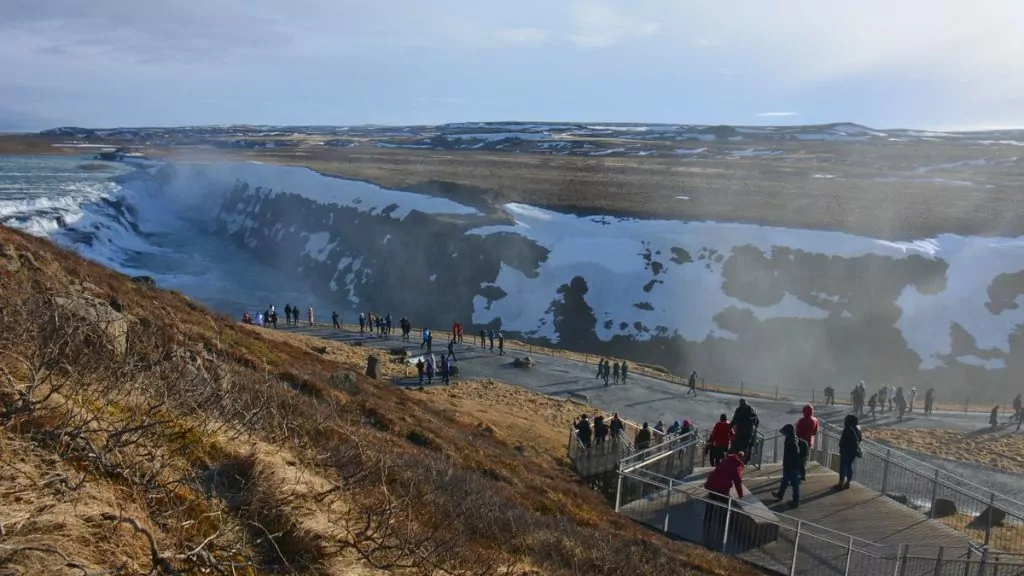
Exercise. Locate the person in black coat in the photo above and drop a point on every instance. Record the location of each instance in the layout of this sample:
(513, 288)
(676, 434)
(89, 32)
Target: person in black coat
(849, 450)
(792, 464)
(745, 423)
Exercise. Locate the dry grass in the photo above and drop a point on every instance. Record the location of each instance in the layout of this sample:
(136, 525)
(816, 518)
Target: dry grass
(1004, 451)
(200, 446)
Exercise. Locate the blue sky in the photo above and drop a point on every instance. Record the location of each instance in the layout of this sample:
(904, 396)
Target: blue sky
(934, 64)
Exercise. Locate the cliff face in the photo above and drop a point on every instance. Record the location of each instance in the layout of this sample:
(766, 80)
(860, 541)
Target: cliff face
(773, 307)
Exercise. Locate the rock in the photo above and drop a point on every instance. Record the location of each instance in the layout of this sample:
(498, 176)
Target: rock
(454, 371)
(344, 381)
(99, 314)
(997, 517)
(115, 305)
(373, 367)
(144, 280)
(321, 350)
(526, 362)
(943, 508)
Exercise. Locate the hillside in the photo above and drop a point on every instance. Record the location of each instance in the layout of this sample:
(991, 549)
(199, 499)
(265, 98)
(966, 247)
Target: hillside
(142, 434)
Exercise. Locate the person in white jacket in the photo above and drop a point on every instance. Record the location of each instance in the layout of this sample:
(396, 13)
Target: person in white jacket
(911, 398)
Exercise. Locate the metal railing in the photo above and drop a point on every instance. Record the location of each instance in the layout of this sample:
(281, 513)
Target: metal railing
(618, 451)
(988, 519)
(785, 544)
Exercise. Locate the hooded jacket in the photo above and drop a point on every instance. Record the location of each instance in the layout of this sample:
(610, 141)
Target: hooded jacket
(727, 474)
(721, 435)
(791, 460)
(807, 427)
(849, 441)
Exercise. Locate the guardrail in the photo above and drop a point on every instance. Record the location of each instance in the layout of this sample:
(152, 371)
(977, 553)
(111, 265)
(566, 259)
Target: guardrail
(785, 544)
(991, 520)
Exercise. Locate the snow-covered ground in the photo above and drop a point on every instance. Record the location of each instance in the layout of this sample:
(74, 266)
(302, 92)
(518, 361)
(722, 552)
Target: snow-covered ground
(609, 254)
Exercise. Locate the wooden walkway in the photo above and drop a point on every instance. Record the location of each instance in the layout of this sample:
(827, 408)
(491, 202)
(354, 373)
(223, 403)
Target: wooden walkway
(879, 524)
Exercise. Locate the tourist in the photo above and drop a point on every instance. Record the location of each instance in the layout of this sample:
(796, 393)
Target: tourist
(309, 316)
(451, 349)
(625, 371)
(719, 440)
(334, 320)
(993, 417)
(728, 474)
(901, 404)
(600, 430)
(792, 464)
(806, 430)
(872, 402)
(929, 400)
(849, 450)
(687, 428)
(883, 392)
(483, 338)
(501, 344)
(430, 368)
(420, 368)
(446, 369)
(490, 338)
(692, 382)
(913, 396)
(672, 429)
(643, 438)
(362, 322)
(745, 423)
(607, 371)
(660, 428)
(583, 431)
(1018, 411)
(616, 426)
(288, 314)
(615, 373)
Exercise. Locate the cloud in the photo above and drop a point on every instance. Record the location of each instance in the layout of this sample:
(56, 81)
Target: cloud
(598, 24)
(775, 114)
(524, 36)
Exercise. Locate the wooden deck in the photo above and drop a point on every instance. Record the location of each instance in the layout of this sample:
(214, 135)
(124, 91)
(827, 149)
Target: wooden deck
(857, 512)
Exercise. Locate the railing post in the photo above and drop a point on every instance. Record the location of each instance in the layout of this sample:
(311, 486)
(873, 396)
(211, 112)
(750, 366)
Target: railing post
(967, 563)
(849, 556)
(935, 493)
(796, 548)
(618, 494)
(775, 448)
(885, 471)
(899, 556)
(988, 521)
(938, 561)
(668, 504)
(902, 566)
(981, 563)
(725, 528)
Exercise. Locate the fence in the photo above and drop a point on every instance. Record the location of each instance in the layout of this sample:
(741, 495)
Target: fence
(989, 519)
(619, 452)
(785, 544)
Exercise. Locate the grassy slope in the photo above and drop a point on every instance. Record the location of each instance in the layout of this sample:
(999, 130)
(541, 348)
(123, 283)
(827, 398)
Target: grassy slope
(175, 439)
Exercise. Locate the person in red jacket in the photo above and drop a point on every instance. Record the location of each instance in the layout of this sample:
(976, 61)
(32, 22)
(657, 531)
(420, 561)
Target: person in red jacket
(806, 430)
(719, 440)
(725, 476)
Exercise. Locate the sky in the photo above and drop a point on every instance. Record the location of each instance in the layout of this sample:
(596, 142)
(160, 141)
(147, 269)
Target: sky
(933, 64)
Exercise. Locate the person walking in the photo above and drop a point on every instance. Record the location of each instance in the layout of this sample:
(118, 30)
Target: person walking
(288, 314)
(501, 344)
(728, 474)
(625, 371)
(792, 465)
(806, 430)
(849, 450)
(334, 319)
(692, 383)
(719, 440)
(309, 315)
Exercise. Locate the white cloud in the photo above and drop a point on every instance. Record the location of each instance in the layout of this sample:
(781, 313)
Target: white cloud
(776, 114)
(598, 24)
(524, 36)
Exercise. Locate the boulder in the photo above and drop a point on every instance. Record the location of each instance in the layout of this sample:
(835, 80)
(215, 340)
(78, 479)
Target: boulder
(943, 508)
(992, 513)
(115, 305)
(99, 314)
(453, 371)
(525, 362)
(373, 367)
(321, 350)
(144, 280)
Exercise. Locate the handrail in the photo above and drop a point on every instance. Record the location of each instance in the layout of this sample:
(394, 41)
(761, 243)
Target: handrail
(846, 537)
(629, 467)
(962, 486)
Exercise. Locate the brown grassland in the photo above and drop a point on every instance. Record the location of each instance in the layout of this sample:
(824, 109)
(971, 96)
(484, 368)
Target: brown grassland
(141, 434)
